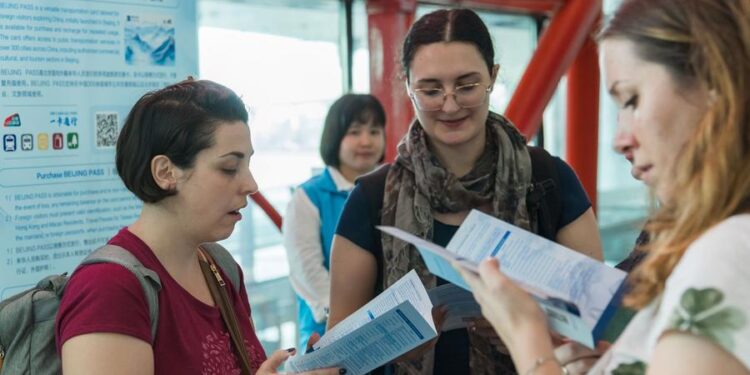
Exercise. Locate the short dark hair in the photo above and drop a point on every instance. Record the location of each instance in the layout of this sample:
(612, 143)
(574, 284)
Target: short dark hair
(448, 25)
(177, 121)
(342, 114)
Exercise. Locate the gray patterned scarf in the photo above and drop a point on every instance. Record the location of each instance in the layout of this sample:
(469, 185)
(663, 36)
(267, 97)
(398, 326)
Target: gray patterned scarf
(417, 185)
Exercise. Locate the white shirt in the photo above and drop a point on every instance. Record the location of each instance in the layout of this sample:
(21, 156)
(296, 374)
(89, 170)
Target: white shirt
(301, 233)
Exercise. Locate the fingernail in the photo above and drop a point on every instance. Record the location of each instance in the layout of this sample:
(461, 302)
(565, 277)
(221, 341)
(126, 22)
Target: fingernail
(291, 350)
(342, 371)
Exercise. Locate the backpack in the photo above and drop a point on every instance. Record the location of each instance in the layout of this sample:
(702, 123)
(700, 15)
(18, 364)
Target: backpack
(27, 319)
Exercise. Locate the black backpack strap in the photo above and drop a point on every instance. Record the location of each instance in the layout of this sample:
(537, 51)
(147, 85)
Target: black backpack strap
(544, 199)
(375, 183)
(148, 279)
(225, 261)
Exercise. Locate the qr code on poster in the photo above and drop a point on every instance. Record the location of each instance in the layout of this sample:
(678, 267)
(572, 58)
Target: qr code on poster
(106, 129)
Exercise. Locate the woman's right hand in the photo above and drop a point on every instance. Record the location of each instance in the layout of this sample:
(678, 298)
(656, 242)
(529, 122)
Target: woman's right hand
(504, 304)
(270, 366)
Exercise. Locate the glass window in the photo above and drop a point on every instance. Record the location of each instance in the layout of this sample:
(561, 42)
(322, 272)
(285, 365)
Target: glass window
(361, 54)
(623, 202)
(283, 58)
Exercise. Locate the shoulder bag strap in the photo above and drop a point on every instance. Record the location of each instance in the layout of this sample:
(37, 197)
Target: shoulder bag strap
(224, 260)
(217, 286)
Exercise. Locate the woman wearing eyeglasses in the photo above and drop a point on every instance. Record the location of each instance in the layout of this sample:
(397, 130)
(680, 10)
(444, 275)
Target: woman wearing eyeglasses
(457, 156)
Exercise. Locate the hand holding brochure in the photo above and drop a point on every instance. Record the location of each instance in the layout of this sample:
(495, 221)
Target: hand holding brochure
(578, 294)
(393, 323)
(460, 306)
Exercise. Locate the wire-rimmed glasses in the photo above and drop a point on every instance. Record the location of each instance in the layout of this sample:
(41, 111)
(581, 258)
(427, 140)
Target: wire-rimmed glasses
(466, 96)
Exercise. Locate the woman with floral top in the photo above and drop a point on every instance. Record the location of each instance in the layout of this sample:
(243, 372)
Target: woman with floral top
(680, 72)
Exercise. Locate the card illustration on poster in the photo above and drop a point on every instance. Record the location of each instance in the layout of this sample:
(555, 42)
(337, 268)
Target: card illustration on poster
(72, 70)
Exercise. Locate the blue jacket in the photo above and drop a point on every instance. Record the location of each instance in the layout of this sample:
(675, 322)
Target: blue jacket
(329, 201)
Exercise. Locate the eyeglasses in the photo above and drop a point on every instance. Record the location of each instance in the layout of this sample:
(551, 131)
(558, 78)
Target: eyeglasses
(466, 96)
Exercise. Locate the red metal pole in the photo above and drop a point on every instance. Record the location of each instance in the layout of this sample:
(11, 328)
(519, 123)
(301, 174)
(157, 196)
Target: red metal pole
(388, 23)
(582, 131)
(557, 49)
(266, 206)
(522, 6)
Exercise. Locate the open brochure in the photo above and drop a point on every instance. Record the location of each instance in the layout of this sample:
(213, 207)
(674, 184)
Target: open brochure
(393, 323)
(577, 293)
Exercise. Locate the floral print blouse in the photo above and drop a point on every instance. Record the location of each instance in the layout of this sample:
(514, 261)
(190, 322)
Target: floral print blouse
(707, 294)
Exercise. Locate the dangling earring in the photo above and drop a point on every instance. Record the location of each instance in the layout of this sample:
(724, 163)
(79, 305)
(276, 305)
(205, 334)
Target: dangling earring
(712, 97)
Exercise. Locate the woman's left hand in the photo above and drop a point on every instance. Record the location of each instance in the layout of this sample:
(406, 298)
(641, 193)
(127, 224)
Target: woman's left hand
(578, 359)
(271, 365)
(314, 337)
(505, 305)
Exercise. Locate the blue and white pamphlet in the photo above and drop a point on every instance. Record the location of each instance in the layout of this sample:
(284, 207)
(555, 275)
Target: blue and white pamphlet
(393, 323)
(578, 294)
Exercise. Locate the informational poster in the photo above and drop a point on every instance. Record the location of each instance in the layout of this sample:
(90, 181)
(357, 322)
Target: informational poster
(69, 72)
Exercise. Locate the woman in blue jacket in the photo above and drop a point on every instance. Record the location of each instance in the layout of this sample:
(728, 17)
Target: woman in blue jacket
(352, 144)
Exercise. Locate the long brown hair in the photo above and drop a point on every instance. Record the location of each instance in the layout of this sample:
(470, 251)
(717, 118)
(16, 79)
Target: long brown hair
(700, 42)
